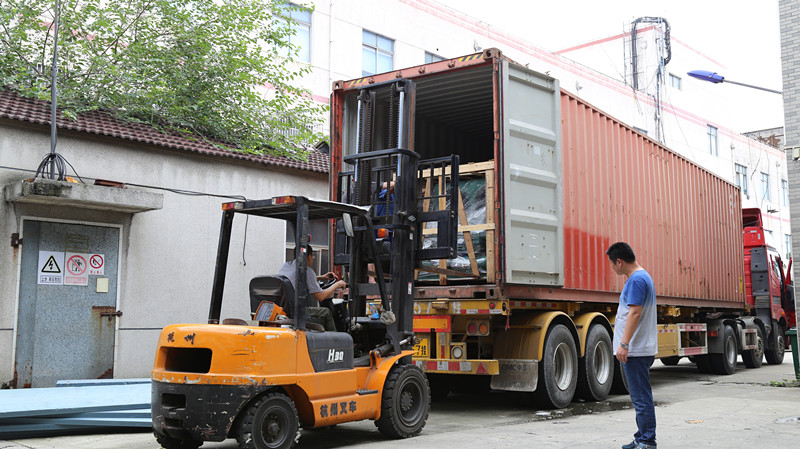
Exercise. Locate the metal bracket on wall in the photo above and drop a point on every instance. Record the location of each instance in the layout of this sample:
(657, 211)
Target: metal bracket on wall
(15, 240)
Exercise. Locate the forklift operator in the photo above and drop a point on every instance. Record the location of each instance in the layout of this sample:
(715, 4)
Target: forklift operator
(322, 314)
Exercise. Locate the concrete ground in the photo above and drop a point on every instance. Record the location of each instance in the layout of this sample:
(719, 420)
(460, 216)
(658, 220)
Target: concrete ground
(757, 408)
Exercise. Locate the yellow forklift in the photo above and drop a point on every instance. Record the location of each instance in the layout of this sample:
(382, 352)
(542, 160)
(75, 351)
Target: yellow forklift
(263, 380)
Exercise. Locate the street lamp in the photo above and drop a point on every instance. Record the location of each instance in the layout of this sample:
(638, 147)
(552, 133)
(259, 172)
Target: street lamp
(716, 78)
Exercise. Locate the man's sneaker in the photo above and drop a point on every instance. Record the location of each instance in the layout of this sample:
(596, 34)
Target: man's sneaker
(645, 446)
(632, 445)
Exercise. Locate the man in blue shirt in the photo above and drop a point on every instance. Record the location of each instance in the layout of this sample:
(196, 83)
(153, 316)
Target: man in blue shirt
(636, 339)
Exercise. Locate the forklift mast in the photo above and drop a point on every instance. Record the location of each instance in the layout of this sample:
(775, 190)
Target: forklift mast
(388, 175)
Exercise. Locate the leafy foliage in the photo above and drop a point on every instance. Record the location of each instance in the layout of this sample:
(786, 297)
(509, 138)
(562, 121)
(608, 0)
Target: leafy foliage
(206, 67)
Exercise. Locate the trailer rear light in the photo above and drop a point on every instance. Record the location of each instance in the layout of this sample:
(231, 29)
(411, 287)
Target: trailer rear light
(478, 328)
(283, 200)
(713, 333)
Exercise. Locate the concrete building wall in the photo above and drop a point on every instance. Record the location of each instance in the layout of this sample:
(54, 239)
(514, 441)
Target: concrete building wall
(168, 255)
(790, 58)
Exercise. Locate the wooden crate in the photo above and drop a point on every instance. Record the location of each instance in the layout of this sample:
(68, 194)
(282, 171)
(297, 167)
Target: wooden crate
(484, 170)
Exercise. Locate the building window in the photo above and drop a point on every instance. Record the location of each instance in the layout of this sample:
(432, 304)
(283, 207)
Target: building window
(430, 57)
(788, 242)
(713, 148)
(376, 53)
(785, 192)
(301, 27)
(641, 130)
(675, 81)
(765, 186)
(741, 177)
(318, 236)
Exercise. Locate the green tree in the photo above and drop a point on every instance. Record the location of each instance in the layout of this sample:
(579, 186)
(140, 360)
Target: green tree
(213, 68)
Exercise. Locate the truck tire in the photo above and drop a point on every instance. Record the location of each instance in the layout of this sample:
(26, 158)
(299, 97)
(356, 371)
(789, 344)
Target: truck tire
(753, 358)
(725, 363)
(405, 403)
(620, 384)
(440, 386)
(596, 368)
(703, 363)
(670, 361)
(775, 356)
(271, 422)
(167, 442)
(558, 372)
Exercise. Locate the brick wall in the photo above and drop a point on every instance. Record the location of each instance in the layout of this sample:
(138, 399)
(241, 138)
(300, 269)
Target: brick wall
(790, 59)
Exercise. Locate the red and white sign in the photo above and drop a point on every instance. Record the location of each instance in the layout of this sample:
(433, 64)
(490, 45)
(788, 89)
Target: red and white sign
(97, 264)
(77, 269)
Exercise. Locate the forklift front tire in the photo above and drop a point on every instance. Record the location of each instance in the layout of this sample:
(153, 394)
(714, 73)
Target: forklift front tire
(405, 403)
(167, 442)
(271, 422)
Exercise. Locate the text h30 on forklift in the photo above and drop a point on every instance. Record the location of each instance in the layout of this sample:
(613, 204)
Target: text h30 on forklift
(489, 265)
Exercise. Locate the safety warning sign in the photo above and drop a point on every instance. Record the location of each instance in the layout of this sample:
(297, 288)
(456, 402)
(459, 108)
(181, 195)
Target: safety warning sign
(77, 269)
(51, 268)
(97, 264)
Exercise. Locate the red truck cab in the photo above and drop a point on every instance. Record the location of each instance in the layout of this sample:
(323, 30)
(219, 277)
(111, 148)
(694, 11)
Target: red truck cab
(768, 281)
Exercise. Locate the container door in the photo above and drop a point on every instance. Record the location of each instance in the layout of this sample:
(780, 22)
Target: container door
(67, 303)
(533, 216)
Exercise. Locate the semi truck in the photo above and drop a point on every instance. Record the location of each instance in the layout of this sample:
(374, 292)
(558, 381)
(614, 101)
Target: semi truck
(545, 182)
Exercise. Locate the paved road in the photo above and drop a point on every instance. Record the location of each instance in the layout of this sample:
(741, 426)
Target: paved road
(746, 409)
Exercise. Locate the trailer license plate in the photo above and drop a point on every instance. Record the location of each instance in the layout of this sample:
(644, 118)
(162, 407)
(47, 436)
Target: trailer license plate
(422, 346)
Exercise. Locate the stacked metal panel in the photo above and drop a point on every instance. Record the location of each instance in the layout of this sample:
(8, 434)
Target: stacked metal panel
(75, 406)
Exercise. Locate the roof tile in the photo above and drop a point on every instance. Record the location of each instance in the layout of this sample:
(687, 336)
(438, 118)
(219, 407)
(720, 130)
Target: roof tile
(16, 107)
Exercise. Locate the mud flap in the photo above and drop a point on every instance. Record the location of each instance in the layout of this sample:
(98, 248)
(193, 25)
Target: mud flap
(516, 375)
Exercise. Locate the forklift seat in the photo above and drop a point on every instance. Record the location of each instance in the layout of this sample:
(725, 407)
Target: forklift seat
(277, 289)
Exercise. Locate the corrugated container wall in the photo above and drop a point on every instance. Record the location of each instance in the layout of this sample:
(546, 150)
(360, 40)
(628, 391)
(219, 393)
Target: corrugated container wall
(683, 222)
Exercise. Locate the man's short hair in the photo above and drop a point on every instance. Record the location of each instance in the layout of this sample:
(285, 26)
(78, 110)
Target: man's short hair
(621, 250)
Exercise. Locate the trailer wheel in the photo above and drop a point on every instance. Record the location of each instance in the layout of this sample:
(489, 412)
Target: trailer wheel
(596, 368)
(440, 386)
(167, 442)
(753, 358)
(670, 361)
(620, 384)
(703, 363)
(558, 372)
(775, 356)
(725, 363)
(405, 403)
(271, 422)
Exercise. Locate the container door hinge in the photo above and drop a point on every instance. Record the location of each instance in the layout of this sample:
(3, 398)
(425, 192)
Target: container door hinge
(15, 240)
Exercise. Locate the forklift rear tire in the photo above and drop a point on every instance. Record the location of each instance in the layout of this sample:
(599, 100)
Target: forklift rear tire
(405, 403)
(271, 422)
(167, 442)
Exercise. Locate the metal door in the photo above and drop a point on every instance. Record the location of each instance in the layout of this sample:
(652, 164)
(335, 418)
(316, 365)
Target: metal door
(534, 234)
(66, 330)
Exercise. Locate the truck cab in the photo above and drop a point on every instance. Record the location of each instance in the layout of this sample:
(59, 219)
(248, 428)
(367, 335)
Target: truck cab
(768, 283)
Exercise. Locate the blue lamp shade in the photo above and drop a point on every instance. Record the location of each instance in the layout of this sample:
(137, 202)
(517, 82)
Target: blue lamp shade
(706, 75)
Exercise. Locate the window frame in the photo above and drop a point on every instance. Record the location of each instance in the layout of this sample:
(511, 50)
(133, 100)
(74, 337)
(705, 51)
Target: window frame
(432, 57)
(297, 23)
(376, 49)
(675, 79)
(713, 140)
(743, 175)
(765, 193)
(784, 192)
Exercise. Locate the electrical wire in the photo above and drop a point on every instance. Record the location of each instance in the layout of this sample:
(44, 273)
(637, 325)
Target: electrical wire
(59, 162)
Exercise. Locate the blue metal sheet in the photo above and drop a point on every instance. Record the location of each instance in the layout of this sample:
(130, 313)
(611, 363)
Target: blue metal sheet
(101, 382)
(70, 401)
